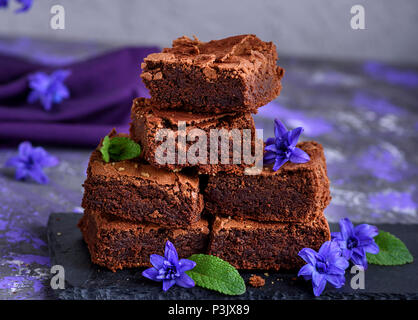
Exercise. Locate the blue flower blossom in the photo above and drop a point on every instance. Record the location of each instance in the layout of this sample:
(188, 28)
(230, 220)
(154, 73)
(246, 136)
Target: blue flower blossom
(169, 269)
(282, 147)
(48, 89)
(356, 241)
(4, 3)
(326, 265)
(30, 162)
(25, 5)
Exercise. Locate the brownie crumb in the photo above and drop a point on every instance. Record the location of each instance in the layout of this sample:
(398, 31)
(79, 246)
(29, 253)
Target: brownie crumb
(256, 281)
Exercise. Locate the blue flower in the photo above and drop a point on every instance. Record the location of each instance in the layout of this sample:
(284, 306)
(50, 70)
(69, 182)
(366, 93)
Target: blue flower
(25, 5)
(4, 3)
(169, 269)
(48, 89)
(282, 147)
(326, 265)
(30, 161)
(356, 241)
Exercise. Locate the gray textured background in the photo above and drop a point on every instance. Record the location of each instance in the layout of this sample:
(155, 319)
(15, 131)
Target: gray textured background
(299, 27)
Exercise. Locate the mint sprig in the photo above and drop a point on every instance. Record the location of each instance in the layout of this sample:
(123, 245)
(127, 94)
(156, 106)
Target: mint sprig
(119, 148)
(216, 274)
(392, 251)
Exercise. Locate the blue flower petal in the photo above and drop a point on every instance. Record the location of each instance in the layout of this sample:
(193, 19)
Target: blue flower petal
(38, 175)
(309, 255)
(347, 228)
(25, 149)
(269, 158)
(185, 281)
(364, 231)
(306, 271)
(325, 248)
(186, 265)
(151, 273)
(270, 141)
(299, 156)
(271, 148)
(170, 253)
(318, 278)
(157, 261)
(372, 248)
(279, 128)
(279, 162)
(336, 280)
(167, 284)
(293, 136)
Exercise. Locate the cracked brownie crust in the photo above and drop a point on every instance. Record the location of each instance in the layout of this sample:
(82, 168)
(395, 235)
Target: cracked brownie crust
(233, 74)
(139, 192)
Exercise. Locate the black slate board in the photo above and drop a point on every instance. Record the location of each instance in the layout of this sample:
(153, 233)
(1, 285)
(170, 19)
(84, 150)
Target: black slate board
(87, 281)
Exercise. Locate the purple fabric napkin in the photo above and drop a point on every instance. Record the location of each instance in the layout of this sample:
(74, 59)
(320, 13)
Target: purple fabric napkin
(101, 89)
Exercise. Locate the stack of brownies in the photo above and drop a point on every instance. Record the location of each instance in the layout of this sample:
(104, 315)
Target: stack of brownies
(253, 221)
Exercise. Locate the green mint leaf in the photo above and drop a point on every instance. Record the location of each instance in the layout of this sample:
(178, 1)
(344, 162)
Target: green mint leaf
(216, 274)
(392, 251)
(123, 148)
(105, 149)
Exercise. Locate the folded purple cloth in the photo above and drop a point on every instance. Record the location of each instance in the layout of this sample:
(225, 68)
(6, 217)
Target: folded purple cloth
(101, 94)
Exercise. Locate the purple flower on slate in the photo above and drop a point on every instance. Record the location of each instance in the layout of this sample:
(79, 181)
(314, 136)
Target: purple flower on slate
(169, 269)
(326, 265)
(356, 241)
(30, 162)
(282, 147)
(48, 89)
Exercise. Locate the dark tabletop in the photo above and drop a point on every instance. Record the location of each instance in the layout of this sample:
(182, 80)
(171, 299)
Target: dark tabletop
(364, 113)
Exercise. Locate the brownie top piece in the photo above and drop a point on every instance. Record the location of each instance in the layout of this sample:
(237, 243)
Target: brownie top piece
(136, 169)
(130, 168)
(242, 52)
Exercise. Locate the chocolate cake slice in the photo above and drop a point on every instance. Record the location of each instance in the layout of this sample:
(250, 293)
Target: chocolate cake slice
(147, 122)
(296, 192)
(252, 245)
(139, 192)
(116, 244)
(233, 74)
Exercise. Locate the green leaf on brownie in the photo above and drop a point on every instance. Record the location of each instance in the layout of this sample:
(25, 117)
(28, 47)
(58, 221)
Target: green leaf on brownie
(392, 251)
(119, 148)
(216, 274)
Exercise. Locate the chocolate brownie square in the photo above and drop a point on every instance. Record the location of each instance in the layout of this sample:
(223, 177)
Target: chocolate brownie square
(251, 245)
(295, 192)
(116, 244)
(233, 74)
(147, 121)
(139, 192)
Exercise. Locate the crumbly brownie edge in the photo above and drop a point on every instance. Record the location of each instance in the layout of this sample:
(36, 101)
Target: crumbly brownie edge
(225, 194)
(266, 246)
(117, 245)
(142, 131)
